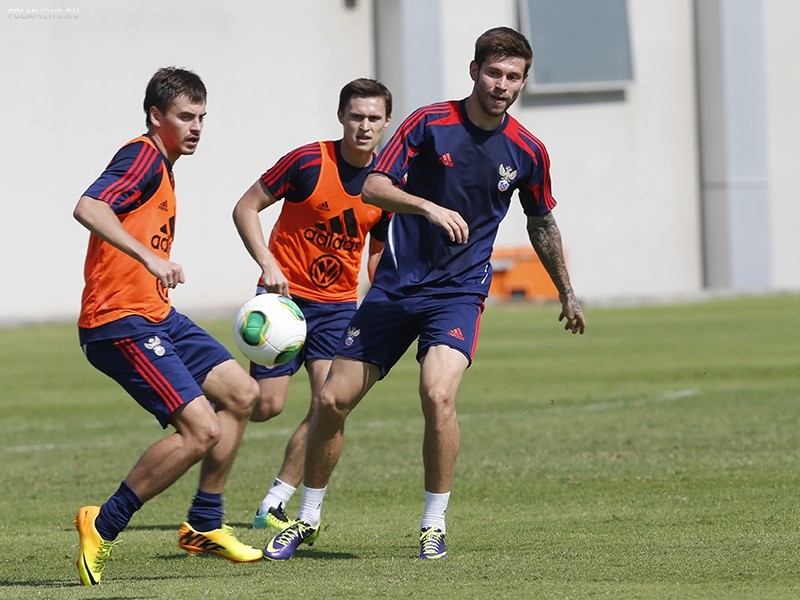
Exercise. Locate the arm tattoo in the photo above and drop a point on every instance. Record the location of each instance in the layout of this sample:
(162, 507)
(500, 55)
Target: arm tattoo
(546, 241)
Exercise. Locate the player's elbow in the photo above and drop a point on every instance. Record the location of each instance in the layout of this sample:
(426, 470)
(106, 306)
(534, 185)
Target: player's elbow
(236, 214)
(370, 192)
(81, 211)
(367, 193)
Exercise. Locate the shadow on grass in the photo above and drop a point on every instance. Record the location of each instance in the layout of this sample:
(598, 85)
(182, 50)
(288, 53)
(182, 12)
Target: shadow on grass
(305, 554)
(177, 525)
(46, 583)
(172, 527)
(73, 583)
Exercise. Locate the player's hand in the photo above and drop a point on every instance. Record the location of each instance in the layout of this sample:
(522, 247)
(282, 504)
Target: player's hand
(273, 280)
(169, 273)
(452, 222)
(573, 313)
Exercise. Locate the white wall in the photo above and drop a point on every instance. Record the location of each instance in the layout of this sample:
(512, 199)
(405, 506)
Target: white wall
(72, 94)
(625, 173)
(782, 18)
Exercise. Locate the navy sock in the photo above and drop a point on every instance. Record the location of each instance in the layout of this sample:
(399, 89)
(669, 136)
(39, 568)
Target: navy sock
(206, 511)
(116, 513)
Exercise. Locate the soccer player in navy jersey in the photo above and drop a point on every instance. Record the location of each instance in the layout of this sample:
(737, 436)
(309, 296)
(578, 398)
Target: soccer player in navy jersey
(448, 174)
(314, 255)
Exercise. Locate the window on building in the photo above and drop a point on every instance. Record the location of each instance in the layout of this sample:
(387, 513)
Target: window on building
(578, 45)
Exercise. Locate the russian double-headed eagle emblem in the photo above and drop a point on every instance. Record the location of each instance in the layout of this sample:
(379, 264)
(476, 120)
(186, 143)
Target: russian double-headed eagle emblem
(507, 175)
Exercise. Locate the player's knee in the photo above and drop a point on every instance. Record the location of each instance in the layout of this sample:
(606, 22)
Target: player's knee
(437, 402)
(242, 398)
(266, 407)
(203, 437)
(330, 407)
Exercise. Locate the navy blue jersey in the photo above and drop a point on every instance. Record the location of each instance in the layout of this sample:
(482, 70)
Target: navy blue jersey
(439, 155)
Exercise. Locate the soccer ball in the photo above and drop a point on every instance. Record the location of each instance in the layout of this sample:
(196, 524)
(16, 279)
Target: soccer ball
(269, 329)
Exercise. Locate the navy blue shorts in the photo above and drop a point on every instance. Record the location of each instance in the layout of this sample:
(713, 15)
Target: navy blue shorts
(384, 326)
(161, 365)
(325, 324)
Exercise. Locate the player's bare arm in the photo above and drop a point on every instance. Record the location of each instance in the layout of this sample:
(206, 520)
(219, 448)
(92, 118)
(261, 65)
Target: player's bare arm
(375, 251)
(100, 219)
(248, 224)
(545, 237)
(380, 191)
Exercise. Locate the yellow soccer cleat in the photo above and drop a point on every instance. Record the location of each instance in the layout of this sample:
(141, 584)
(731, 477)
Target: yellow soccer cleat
(274, 518)
(221, 542)
(94, 549)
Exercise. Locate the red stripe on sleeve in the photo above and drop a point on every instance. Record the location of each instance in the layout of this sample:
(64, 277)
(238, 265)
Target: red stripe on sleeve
(284, 164)
(133, 176)
(396, 144)
(529, 141)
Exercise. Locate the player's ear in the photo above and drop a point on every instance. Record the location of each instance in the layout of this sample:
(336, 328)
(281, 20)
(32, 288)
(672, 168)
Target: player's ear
(155, 116)
(340, 116)
(473, 70)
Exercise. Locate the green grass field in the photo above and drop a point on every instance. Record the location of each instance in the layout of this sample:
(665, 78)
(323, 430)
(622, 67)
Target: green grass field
(655, 457)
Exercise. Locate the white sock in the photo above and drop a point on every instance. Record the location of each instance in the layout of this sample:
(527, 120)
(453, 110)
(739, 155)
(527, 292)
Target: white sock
(311, 504)
(435, 510)
(280, 493)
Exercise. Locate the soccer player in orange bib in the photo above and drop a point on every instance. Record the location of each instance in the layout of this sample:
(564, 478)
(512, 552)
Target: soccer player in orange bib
(314, 255)
(129, 331)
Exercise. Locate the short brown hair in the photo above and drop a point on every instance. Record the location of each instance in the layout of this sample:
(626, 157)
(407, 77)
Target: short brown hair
(365, 88)
(167, 84)
(503, 42)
